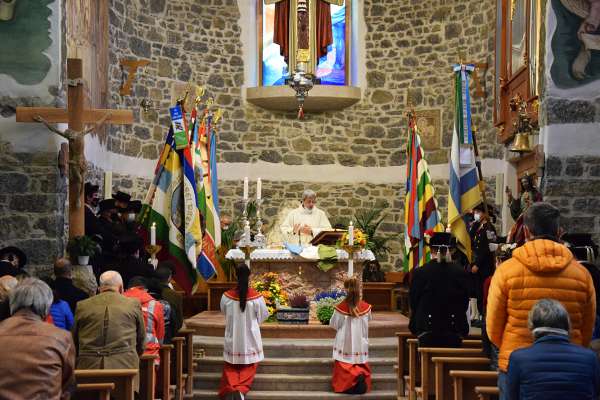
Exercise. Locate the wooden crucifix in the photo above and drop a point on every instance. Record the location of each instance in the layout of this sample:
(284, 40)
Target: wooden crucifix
(76, 116)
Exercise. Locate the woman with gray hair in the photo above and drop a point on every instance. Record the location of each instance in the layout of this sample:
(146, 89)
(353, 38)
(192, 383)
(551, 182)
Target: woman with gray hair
(41, 359)
(552, 368)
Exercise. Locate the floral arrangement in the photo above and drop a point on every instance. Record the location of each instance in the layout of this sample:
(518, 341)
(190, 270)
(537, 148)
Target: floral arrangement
(360, 241)
(269, 285)
(326, 302)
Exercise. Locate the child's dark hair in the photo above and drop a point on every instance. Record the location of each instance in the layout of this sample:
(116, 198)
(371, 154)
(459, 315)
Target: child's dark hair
(353, 297)
(243, 273)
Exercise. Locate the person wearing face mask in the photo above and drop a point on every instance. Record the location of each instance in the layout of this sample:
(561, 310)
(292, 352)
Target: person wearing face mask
(91, 205)
(306, 221)
(129, 216)
(543, 267)
(106, 225)
(482, 234)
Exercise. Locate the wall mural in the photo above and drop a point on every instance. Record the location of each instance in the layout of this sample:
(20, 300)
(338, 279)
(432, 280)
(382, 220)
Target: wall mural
(25, 37)
(576, 43)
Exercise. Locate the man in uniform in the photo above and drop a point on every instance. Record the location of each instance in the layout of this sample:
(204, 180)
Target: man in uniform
(91, 203)
(305, 222)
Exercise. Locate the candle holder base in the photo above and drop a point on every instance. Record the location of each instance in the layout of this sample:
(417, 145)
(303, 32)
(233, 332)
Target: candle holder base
(153, 250)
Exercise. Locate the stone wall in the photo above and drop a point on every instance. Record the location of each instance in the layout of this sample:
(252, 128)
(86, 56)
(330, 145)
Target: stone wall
(32, 205)
(410, 48)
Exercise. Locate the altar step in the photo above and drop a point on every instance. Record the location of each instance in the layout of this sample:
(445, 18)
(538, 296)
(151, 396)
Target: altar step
(294, 368)
(303, 395)
(295, 365)
(291, 382)
(298, 348)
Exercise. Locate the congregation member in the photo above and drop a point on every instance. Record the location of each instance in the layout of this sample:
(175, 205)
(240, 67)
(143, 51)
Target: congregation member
(439, 297)
(552, 368)
(305, 222)
(63, 284)
(12, 262)
(60, 314)
(542, 267)
(350, 319)
(244, 310)
(7, 284)
(163, 274)
(152, 310)
(109, 328)
(38, 359)
(129, 261)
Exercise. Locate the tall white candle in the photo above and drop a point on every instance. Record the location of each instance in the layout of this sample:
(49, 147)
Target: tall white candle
(246, 188)
(351, 234)
(258, 189)
(153, 234)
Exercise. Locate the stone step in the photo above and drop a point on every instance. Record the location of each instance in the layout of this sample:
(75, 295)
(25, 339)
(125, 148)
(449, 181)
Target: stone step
(291, 382)
(310, 366)
(302, 395)
(290, 348)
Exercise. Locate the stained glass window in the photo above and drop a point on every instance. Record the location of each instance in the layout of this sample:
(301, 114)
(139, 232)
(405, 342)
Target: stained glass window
(331, 67)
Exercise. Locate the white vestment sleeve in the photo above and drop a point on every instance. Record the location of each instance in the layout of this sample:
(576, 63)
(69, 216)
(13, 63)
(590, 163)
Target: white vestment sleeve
(337, 320)
(323, 224)
(262, 313)
(222, 306)
(287, 228)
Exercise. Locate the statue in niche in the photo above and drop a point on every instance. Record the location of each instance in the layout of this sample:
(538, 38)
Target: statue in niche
(529, 194)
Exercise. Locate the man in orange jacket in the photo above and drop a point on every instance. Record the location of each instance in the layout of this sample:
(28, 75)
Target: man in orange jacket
(541, 268)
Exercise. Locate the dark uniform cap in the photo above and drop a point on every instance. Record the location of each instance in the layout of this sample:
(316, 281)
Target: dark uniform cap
(17, 252)
(122, 196)
(107, 204)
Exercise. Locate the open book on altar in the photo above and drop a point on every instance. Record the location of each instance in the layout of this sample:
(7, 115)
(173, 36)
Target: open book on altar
(328, 238)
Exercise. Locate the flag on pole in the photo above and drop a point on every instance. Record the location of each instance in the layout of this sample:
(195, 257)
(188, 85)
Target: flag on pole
(420, 206)
(205, 156)
(464, 181)
(165, 207)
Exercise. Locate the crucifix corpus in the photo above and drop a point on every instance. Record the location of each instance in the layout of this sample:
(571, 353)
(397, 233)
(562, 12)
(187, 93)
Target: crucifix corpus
(76, 116)
(303, 31)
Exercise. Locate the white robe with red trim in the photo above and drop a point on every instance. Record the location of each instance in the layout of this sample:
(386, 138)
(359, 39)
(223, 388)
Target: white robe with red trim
(243, 343)
(351, 343)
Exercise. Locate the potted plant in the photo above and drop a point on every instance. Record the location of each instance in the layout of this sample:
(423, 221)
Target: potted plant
(326, 302)
(297, 313)
(269, 285)
(369, 221)
(82, 247)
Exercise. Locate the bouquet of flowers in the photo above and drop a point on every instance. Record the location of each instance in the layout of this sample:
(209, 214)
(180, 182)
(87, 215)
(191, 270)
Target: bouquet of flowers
(360, 241)
(326, 302)
(269, 285)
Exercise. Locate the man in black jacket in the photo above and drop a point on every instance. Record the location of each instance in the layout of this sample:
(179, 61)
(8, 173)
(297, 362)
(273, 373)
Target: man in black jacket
(64, 284)
(439, 297)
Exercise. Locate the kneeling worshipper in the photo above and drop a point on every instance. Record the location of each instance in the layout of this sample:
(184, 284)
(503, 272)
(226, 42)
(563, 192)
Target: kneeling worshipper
(244, 310)
(439, 297)
(351, 371)
(305, 222)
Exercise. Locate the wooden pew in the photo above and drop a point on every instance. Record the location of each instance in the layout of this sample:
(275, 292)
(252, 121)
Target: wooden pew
(413, 378)
(147, 376)
(121, 378)
(177, 377)
(487, 392)
(188, 361)
(164, 373)
(93, 391)
(443, 366)
(427, 366)
(466, 381)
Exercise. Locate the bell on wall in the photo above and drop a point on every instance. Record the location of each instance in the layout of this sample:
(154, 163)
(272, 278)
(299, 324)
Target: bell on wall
(521, 144)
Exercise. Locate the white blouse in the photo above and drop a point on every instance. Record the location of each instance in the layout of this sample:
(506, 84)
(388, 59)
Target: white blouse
(243, 343)
(351, 343)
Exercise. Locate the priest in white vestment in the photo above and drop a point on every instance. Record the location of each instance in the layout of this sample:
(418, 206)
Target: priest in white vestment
(305, 222)
(351, 371)
(244, 310)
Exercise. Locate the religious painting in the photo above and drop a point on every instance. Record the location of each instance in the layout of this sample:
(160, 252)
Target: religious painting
(518, 27)
(331, 65)
(25, 38)
(429, 124)
(575, 43)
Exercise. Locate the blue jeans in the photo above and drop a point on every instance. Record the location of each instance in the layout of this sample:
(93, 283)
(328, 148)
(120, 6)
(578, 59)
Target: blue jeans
(503, 385)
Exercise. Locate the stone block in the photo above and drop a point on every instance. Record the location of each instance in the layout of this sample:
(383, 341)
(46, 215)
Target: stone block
(574, 167)
(291, 159)
(382, 97)
(14, 227)
(157, 6)
(139, 47)
(302, 144)
(320, 159)
(348, 160)
(376, 79)
(40, 251)
(271, 156)
(184, 73)
(553, 166)
(37, 203)
(216, 80)
(563, 111)
(236, 156)
(13, 182)
(452, 30)
(373, 131)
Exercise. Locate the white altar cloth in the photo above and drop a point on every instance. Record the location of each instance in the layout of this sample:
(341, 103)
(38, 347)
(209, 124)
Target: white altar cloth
(285, 255)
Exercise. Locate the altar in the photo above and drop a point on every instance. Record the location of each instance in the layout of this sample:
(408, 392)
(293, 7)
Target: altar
(301, 275)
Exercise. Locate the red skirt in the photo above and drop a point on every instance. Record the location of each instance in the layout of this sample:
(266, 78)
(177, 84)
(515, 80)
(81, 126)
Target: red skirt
(237, 378)
(345, 376)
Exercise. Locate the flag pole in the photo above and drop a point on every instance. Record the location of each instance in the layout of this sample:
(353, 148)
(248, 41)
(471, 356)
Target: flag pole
(474, 132)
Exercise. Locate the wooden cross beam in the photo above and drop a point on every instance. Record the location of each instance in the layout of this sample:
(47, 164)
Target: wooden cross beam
(76, 116)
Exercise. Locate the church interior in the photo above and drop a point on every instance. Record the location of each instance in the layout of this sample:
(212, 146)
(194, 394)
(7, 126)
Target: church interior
(315, 161)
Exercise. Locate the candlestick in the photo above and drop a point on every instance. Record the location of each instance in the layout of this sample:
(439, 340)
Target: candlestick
(153, 234)
(246, 188)
(258, 189)
(351, 234)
